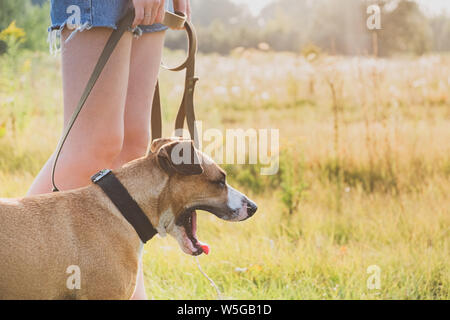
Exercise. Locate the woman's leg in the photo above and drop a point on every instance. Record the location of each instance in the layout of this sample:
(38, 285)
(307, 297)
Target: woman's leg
(144, 68)
(145, 61)
(97, 136)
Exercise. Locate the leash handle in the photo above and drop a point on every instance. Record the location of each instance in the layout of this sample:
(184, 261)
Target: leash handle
(192, 44)
(174, 20)
(186, 110)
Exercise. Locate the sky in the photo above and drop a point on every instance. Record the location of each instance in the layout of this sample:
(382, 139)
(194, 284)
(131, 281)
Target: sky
(431, 7)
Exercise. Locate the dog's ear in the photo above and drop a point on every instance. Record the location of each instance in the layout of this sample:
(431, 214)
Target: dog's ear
(158, 143)
(179, 157)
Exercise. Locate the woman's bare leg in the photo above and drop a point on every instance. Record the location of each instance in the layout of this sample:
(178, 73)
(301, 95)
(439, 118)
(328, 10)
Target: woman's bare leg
(145, 61)
(97, 136)
(144, 68)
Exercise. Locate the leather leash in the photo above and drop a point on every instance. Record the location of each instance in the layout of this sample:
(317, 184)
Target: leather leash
(186, 110)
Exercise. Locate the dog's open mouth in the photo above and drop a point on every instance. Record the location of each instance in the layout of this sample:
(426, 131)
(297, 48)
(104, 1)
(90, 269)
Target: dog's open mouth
(188, 221)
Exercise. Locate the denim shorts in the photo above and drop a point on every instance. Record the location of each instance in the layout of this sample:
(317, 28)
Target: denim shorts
(80, 15)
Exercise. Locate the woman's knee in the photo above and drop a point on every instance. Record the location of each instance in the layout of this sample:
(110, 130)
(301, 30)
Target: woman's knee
(94, 152)
(106, 147)
(135, 142)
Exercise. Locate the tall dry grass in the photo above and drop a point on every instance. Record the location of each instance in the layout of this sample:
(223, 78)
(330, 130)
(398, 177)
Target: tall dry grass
(363, 180)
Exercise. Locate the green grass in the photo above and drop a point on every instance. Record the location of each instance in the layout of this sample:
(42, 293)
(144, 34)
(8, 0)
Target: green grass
(314, 254)
(365, 185)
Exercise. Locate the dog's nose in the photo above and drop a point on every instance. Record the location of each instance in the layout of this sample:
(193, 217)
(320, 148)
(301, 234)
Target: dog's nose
(251, 208)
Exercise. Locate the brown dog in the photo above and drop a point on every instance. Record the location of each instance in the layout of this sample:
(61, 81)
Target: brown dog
(43, 237)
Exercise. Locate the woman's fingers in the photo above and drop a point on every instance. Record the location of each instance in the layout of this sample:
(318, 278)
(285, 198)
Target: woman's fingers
(180, 5)
(188, 9)
(161, 10)
(139, 15)
(148, 12)
(184, 7)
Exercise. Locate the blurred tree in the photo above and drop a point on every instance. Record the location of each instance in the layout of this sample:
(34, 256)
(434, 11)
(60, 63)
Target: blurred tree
(287, 23)
(10, 10)
(35, 23)
(38, 2)
(441, 33)
(221, 25)
(33, 18)
(405, 29)
(340, 27)
(205, 12)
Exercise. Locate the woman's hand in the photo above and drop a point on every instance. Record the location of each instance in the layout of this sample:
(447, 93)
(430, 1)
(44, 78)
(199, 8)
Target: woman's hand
(183, 6)
(148, 12)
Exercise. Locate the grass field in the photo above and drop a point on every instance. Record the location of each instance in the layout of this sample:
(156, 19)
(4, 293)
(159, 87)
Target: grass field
(364, 174)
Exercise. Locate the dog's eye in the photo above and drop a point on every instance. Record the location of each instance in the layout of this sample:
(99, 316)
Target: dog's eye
(220, 183)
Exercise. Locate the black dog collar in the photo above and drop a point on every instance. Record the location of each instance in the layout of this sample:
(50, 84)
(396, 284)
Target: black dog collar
(123, 201)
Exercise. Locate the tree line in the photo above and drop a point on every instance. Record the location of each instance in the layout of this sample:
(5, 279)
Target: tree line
(333, 26)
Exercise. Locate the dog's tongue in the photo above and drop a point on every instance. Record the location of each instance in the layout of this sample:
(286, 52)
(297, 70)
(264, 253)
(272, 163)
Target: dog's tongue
(205, 247)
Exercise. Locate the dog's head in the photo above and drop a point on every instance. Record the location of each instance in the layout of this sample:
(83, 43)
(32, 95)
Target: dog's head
(195, 182)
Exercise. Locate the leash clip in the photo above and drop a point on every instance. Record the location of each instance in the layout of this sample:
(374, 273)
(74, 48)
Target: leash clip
(100, 175)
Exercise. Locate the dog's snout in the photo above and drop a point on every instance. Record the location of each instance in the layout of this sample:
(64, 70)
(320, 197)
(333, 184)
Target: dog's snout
(251, 208)
(239, 206)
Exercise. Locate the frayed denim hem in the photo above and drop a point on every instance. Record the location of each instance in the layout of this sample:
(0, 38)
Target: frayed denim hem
(54, 32)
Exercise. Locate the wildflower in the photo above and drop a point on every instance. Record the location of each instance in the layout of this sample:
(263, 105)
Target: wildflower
(13, 33)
